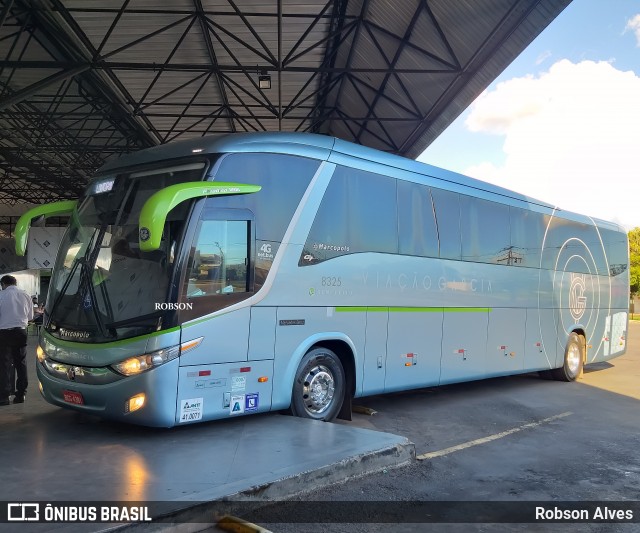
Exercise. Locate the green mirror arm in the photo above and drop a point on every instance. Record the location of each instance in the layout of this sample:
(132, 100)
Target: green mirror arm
(155, 210)
(65, 207)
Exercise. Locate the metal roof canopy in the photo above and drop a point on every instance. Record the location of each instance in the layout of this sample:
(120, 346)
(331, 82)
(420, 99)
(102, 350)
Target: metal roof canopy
(80, 82)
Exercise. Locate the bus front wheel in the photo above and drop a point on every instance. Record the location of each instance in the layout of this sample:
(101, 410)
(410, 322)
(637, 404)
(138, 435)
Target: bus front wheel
(319, 386)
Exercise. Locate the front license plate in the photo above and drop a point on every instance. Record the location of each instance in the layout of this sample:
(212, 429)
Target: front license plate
(73, 397)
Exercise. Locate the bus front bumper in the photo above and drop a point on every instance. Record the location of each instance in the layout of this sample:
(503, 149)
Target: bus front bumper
(113, 400)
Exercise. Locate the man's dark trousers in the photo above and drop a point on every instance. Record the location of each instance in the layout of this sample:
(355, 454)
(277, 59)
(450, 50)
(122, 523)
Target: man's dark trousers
(13, 354)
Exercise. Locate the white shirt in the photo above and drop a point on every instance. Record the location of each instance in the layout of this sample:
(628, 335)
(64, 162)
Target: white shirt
(16, 308)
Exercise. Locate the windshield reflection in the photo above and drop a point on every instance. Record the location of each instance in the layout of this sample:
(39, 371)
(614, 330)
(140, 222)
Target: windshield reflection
(103, 286)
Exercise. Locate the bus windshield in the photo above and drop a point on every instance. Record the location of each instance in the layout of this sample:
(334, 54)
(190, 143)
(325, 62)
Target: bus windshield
(104, 288)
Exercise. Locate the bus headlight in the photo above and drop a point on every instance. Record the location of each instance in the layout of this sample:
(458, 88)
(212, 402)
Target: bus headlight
(142, 363)
(40, 354)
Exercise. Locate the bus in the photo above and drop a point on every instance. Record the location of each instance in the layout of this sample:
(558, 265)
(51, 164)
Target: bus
(244, 273)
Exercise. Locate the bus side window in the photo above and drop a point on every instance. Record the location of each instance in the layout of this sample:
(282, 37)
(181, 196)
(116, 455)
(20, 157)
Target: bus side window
(484, 228)
(357, 214)
(527, 234)
(447, 206)
(579, 242)
(416, 222)
(617, 248)
(220, 259)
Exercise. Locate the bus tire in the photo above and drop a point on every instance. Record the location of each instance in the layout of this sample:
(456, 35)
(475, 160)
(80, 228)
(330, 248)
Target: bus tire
(546, 374)
(319, 386)
(573, 360)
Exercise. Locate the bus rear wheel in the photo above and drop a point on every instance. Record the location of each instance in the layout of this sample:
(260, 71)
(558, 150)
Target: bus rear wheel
(573, 361)
(319, 386)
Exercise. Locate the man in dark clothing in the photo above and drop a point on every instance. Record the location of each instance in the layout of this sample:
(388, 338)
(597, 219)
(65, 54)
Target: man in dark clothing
(16, 309)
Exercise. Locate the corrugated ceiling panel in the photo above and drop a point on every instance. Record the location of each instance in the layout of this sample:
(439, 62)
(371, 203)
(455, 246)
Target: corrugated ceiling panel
(133, 27)
(405, 109)
(466, 33)
(395, 20)
(427, 35)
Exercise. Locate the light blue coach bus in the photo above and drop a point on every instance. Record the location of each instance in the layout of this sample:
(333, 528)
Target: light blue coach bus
(246, 273)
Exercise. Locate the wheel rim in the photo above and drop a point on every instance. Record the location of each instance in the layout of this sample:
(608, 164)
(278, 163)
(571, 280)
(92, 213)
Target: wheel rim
(573, 359)
(318, 390)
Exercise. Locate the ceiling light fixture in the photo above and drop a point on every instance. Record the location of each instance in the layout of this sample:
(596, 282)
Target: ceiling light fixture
(264, 79)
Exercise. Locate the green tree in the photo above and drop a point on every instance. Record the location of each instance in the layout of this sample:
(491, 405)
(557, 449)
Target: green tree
(634, 259)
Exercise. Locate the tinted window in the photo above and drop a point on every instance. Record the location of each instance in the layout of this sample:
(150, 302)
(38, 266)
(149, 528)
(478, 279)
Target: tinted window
(617, 248)
(102, 247)
(283, 178)
(484, 228)
(220, 258)
(572, 246)
(357, 214)
(447, 206)
(527, 234)
(218, 272)
(416, 223)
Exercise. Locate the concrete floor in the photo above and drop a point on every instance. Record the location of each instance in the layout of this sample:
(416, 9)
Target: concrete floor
(52, 454)
(496, 445)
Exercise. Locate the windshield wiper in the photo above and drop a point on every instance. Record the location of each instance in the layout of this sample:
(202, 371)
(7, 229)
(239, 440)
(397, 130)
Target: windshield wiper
(94, 300)
(86, 274)
(77, 261)
(64, 288)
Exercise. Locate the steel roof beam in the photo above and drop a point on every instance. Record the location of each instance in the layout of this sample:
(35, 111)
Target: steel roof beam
(5, 12)
(231, 82)
(360, 21)
(36, 87)
(477, 60)
(77, 46)
(247, 72)
(213, 58)
(49, 181)
(279, 65)
(177, 12)
(212, 24)
(331, 77)
(200, 67)
(182, 114)
(380, 91)
(330, 35)
(145, 37)
(23, 29)
(193, 126)
(250, 27)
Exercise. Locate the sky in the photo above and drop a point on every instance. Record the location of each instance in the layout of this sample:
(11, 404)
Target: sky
(562, 123)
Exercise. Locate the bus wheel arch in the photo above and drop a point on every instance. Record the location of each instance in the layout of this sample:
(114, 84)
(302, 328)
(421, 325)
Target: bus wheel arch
(324, 381)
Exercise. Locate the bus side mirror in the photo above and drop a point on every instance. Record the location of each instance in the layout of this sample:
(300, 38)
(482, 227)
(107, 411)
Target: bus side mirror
(155, 210)
(65, 207)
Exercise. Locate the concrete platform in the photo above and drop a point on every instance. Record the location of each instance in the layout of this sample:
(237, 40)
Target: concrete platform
(56, 455)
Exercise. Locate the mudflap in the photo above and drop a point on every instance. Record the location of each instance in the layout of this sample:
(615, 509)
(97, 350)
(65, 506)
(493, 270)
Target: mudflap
(345, 410)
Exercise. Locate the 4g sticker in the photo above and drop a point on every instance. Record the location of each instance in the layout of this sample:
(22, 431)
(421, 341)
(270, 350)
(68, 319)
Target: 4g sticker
(267, 251)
